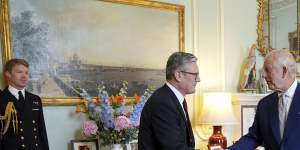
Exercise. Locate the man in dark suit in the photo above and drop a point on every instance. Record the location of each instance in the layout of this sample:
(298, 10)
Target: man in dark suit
(30, 132)
(276, 124)
(164, 123)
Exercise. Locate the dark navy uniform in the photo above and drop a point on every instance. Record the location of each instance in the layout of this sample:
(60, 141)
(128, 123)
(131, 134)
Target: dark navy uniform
(31, 133)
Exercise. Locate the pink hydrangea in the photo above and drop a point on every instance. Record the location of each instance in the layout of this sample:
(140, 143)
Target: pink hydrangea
(89, 128)
(122, 122)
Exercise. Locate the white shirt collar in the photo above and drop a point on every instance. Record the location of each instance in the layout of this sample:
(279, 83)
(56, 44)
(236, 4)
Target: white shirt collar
(15, 91)
(179, 96)
(289, 95)
(291, 91)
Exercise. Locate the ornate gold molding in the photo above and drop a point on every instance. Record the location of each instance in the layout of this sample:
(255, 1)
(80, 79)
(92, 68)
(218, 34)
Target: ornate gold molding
(260, 27)
(75, 101)
(62, 101)
(163, 6)
(5, 31)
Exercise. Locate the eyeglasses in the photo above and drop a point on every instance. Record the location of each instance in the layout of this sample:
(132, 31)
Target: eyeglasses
(196, 74)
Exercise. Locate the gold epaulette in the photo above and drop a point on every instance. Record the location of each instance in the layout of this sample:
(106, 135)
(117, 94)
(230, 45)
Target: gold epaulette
(9, 115)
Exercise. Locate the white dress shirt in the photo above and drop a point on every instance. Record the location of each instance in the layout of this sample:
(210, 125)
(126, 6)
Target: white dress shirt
(15, 91)
(179, 96)
(289, 94)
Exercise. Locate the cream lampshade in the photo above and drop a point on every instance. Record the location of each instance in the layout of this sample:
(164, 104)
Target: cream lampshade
(217, 111)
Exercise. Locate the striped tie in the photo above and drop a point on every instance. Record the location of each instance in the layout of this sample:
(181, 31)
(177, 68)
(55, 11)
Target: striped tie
(283, 112)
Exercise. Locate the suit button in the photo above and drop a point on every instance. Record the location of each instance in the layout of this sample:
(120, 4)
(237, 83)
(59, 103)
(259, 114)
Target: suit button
(36, 144)
(33, 121)
(23, 145)
(34, 129)
(22, 137)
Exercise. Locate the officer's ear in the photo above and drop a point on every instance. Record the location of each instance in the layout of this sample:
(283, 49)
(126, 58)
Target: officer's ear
(7, 75)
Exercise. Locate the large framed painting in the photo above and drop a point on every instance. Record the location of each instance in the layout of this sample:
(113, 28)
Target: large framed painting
(73, 44)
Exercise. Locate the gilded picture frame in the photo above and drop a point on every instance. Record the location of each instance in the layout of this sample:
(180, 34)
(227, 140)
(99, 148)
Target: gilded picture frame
(261, 40)
(8, 21)
(275, 29)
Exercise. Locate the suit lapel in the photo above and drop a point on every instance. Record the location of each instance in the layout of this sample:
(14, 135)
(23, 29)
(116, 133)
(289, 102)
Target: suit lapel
(176, 102)
(274, 117)
(294, 114)
(182, 114)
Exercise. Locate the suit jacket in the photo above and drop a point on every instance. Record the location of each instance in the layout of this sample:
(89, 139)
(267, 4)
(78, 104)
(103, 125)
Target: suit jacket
(265, 129)
(163, 124)
(31, 126)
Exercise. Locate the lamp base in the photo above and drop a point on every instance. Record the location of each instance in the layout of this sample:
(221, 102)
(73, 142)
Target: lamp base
(217, 139)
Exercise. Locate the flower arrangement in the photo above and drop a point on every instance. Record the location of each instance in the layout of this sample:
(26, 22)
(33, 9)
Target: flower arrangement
(110, 119)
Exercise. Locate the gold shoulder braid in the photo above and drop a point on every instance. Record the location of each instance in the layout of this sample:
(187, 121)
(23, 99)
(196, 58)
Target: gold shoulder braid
(10, 115)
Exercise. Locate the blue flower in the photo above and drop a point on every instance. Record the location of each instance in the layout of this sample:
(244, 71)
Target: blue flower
(135, 116)
(104, 112)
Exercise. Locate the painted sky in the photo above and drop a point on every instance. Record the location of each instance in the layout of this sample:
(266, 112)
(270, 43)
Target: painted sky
(106, 33)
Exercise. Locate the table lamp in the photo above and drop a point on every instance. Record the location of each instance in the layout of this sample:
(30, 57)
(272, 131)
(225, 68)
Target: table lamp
(217, 111)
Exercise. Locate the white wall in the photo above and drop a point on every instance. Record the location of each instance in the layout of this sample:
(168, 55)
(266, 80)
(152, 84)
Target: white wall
(239, 34)
(217, 31)
(226, 31)
(63, 125)
(209, 51)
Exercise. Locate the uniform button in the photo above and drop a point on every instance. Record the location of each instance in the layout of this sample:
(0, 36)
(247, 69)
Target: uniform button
(21, 130)
(23, 145)
(35, 137)
(36, 144)
(21, 122)
(22, 137)
(34, 129)
(33, 121)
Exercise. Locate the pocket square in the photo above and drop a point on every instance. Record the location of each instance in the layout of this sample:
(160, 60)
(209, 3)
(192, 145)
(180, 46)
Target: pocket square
(35, 109)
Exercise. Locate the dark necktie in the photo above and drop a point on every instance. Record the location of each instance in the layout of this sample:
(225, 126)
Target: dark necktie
(189, 127)
(21, 99)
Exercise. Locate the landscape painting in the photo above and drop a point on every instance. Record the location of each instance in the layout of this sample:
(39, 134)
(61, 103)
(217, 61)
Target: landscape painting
(73, 44)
